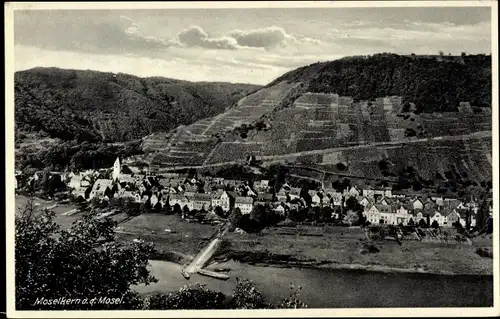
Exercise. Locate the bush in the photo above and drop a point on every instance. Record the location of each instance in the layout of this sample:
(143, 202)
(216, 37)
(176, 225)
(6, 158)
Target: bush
(195, 296)
(246, 296)
(484, 252)
(292, 302)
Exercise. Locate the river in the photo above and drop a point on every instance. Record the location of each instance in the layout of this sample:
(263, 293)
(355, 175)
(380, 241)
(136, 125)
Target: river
(334, 288)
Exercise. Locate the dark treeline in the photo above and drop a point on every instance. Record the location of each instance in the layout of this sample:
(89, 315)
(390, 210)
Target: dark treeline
(75, 156)
(433, 84)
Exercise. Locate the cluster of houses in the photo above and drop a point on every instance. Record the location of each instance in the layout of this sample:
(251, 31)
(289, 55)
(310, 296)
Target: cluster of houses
(381, 206)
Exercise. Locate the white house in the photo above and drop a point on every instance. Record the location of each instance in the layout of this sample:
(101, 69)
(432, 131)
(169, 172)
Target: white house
(316, 200)
(280, 209)
(440, 218)
(380, 214)
(402, 215)
(417, 204)
(245, 204)
(221, 198)
(364, 201)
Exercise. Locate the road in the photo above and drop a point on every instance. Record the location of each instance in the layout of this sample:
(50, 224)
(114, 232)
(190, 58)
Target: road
(283, 157)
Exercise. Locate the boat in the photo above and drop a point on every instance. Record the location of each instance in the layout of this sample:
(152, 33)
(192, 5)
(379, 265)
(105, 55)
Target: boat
(185, 274)
(213, 274)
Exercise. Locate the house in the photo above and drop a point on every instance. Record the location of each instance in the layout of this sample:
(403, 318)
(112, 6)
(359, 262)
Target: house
(334, 197)
(250, 192)
(368, 192)
(364, 201)
(222, 198)
(388, 192)
(137, 197)
(245, 204)
(231, 182)
(281, 195)
(75, 181)
(380, 214)
(294, 193)
(452, 216)
(262, 185)
(127, 178)
(265, 197)
(440, 218)
(190, 190)
(384, 201)
(183, 201)
(126, 194)
(280, 209)
(316, 200)
(202, 201)
(312, 192)
(402, 214)
(351, 192)
(100, 187)
(417, 204)
(79, 192)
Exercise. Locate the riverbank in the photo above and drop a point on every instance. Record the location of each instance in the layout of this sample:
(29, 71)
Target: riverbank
(336, 288)
(345, 248)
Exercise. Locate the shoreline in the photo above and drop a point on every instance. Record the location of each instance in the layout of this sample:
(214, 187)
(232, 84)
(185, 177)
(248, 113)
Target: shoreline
(325, 265)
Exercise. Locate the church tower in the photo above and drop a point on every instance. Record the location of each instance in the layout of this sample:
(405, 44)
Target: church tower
(116, 170)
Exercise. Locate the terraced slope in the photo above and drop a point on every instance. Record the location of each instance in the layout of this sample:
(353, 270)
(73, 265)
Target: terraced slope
(333, 133)
(194, 144)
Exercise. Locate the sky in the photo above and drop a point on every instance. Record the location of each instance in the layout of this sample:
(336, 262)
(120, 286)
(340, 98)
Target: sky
(237, 45)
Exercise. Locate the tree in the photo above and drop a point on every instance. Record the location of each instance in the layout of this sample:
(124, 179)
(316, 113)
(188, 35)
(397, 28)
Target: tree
(293, 302)
(219, 212)
(235, 217)
(246, 296)
(177, 209)
(435, 224)
(84, 261)
(185, 211)
(411, 222)
(422, 223)
(195, 296)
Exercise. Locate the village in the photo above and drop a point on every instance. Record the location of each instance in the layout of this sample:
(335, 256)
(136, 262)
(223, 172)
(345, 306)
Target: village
(215, 197)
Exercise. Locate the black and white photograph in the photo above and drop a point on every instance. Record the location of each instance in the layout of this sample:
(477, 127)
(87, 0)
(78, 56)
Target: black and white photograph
(178, 157)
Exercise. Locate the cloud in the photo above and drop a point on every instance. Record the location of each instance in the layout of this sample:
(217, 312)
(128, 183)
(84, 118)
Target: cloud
(111, 37)
(194, 36)
(262, 38)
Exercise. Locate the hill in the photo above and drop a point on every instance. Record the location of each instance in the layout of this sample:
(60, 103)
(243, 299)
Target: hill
(432, 83)
(108, 107)
(305, 118)
(57, 110)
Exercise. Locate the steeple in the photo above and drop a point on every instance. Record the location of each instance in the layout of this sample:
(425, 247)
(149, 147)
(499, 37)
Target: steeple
(116, 170)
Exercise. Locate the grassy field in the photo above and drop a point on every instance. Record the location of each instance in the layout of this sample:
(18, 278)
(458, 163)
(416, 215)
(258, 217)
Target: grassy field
(175, 239)
(336, 246)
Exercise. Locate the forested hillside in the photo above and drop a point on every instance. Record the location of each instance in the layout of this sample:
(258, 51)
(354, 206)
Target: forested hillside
(107, 107)
(432, 83)
(84, 119)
